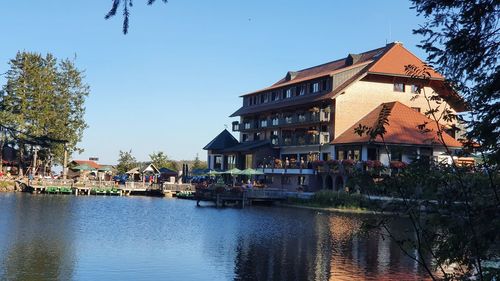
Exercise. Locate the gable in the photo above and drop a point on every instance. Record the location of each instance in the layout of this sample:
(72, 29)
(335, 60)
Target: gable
(393, 62)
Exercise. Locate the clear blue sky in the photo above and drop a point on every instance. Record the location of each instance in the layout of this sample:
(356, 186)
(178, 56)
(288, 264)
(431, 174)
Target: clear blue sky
(171, 83)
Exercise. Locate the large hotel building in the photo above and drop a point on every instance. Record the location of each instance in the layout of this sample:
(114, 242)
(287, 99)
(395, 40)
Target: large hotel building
(310, 116)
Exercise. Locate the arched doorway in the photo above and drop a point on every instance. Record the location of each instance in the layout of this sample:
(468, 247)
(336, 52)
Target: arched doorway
(339, 183)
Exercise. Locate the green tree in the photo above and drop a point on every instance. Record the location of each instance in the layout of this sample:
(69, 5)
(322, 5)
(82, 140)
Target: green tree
(462, 39)
(125, 161)
(161, 160)
(198, 164)
(126, 5)
(42, 104)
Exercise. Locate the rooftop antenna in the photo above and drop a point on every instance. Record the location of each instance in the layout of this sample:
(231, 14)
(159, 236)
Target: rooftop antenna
(390, 32)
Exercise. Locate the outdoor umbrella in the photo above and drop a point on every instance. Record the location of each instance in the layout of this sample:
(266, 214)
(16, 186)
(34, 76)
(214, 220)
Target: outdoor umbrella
(250, 172)
(213, 173)
(233, 172)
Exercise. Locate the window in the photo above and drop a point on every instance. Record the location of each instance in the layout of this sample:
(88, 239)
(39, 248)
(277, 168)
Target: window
(266, 98)
(314, 87)
(302, 117)
(414, 89)
(248, 161)
(275, 121)
(263, 123)
(231, 162)
(218, 162)
(326, 156)
(288, 119)
(288, 93)
(396, 154)
(300, 90)
(399, 87)
(417, 109)
(372, 153)
(274, 137)
(247, 125)
(275, 96)
(261, 98)
(301, 180)
(244, 137)
(324, 85)
(340, 155)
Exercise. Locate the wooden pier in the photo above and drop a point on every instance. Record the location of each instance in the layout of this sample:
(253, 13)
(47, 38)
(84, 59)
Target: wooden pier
(51, 186)
(240, 198)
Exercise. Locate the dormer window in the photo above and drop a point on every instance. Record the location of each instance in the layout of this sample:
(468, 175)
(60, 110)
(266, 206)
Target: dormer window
(288, 93)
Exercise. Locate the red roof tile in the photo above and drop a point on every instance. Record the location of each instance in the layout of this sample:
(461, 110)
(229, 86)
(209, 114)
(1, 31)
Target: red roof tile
(87, 162)
(403, 128)
(395, 59)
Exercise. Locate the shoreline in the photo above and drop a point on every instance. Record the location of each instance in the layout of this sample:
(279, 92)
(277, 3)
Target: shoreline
(336, 210)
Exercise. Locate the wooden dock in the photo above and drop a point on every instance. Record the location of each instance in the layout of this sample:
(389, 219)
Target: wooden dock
(51, 186)
(240, 198)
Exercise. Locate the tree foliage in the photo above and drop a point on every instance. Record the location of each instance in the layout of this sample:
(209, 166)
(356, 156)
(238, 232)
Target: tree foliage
(160, 160)
(198, 164)
(125, 161)
(43, 103)
(126, 5)
(462, 40)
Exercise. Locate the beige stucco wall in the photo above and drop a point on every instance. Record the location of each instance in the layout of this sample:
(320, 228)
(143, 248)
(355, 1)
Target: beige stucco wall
(363, 96)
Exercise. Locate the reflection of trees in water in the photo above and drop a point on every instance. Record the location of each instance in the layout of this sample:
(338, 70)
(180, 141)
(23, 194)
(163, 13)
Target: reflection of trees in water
(40, 239)
(330, 247)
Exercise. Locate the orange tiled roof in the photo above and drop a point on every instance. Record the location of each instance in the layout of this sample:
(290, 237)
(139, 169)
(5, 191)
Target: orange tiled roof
(395, 59)
(402, 128)
(87, 162)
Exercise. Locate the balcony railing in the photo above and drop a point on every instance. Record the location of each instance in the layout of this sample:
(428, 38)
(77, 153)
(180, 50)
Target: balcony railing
(292, 120)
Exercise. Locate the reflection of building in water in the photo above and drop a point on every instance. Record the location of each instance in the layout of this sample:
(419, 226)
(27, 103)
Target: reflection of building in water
(373, 257)
(40, 241)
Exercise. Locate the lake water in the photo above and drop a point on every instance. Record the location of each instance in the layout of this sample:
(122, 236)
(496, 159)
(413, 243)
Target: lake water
(52, 237)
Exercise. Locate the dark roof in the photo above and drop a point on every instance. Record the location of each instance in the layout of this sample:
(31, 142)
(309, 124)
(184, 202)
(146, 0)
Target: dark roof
(224, 140)
(402, 128)
(300, 100)
(329, 68)
(247, 146)
(167, 171)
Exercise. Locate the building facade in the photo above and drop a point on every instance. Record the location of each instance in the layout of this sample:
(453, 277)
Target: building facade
(310, 115)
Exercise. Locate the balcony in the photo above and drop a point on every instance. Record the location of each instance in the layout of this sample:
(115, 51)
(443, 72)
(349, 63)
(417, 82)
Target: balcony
(288, 121)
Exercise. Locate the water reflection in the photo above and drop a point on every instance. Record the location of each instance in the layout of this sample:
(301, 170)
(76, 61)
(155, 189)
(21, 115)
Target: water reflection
(38, 240)
(140, 238)
(329, 247)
